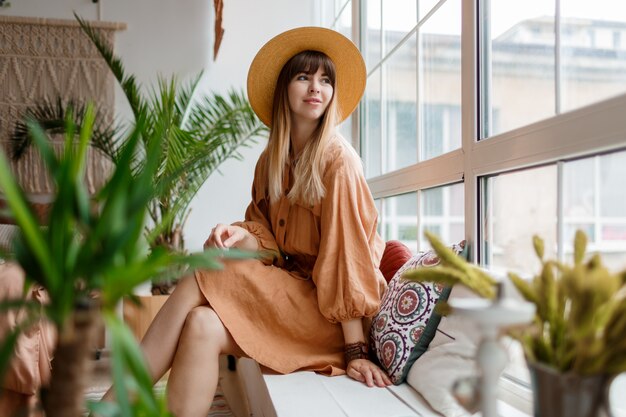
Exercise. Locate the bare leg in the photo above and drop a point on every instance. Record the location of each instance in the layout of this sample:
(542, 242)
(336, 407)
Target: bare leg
(194, 375)
(160, 341)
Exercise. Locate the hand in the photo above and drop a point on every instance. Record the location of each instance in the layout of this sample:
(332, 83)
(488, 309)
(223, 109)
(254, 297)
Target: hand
(225, 236)
(367, 372)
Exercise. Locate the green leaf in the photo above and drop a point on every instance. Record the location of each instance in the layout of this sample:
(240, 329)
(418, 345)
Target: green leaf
(440, 275)
(26, 220)
(447, 256)
(128, 83)
(19, 304)
(539, 246)
(580, 246)
(523, 287)
(104, 408)
(128, 357)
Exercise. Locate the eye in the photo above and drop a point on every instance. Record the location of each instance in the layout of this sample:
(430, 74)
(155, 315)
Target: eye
(302, 77)
(326, 80)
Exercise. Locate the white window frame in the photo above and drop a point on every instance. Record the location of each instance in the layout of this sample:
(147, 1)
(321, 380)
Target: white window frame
(588, 131)
(591, 130)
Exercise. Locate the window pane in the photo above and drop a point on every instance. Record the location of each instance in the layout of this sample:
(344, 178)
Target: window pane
(398, 21)
(612, 185)
(433, 202)
(520, 57)
(401, 107)
(341, 5)
(519, 205)
(441, 214)
(593, 39)
(345, 129)
(371, 46)
(371, 136)
(400, 219)
(579, 190)
(440, 81)
(595, 202)
(425, 6)
(344, 21)
(328, 12)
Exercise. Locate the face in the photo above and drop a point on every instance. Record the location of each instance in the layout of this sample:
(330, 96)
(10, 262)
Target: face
(309, 95)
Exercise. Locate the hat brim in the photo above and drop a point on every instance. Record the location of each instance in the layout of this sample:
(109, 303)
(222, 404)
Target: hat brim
(269, 61)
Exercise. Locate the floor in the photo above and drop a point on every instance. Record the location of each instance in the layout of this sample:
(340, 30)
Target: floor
(229, 400)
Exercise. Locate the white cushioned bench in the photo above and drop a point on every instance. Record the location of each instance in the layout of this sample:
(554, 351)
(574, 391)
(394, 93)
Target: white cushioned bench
(306, 394)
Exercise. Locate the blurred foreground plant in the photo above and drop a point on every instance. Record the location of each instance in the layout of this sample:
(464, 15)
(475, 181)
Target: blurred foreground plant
(91, 246)
(580, 321)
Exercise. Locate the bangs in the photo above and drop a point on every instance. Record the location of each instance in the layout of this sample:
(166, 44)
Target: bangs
(309, 62)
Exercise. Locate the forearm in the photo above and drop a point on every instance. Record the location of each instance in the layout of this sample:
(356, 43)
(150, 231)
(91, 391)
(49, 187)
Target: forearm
(353, 331)
(358, 366)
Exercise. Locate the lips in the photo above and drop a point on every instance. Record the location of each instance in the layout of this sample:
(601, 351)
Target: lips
(313, 101)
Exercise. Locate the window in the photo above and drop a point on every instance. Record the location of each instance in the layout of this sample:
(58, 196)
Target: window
(493, 120)
(404, 217)
(517, 58)
(594, 200)
(337, 15)
(523, 203)
(441, 212)
(399, 219)
(519, 205)
(592, 62)
(550, 62)
(412, 103)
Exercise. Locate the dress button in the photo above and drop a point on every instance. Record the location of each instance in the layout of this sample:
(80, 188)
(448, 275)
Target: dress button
(281, 222)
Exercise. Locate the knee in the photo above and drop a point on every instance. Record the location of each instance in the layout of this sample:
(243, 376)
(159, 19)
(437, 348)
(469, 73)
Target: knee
(188, 292)
(203, 323)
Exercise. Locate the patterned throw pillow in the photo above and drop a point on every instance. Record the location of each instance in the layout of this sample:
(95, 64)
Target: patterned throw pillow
(406, 322)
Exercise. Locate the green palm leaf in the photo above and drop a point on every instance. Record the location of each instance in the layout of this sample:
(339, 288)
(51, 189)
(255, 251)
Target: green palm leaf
(128, 83)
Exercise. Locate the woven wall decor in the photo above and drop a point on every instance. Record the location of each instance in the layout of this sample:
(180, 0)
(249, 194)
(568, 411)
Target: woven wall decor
(44, 59)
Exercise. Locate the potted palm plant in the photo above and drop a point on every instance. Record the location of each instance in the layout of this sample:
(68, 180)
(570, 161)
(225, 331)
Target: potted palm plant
(197, 134)
(575, 344)
(90, 246)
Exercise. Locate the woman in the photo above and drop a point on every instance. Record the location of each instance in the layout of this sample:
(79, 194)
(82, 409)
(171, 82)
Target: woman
(304, 304)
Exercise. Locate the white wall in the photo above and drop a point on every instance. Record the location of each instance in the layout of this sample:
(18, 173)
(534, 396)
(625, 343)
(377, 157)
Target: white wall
(248, 25)
(170, 37)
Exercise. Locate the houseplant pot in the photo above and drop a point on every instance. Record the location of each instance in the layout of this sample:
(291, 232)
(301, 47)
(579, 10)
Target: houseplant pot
(559, 394)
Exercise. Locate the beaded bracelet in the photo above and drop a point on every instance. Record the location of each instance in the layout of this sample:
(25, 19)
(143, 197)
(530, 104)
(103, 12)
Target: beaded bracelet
(357, 350)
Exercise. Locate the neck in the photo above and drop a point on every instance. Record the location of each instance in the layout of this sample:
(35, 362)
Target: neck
(301, 133)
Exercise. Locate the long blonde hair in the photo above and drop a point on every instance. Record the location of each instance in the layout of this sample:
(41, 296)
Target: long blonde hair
(308, 187)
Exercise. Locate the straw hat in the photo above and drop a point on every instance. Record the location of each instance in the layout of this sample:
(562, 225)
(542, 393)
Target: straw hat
(269, 61)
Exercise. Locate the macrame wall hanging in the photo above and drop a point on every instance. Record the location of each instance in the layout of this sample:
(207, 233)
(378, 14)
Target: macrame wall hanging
(46, 59)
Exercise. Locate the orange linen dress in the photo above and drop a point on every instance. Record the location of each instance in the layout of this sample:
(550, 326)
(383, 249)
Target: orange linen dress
(285, 310)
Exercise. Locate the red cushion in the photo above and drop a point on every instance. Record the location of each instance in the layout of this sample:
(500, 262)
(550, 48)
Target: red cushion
(395, 255)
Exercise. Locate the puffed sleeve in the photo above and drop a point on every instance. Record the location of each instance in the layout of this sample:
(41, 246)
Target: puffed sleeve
(346, 274)
(257, 219)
